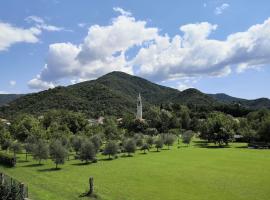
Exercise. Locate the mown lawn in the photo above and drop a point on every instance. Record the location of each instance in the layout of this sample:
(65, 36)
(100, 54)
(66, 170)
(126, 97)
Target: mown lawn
(188, 173)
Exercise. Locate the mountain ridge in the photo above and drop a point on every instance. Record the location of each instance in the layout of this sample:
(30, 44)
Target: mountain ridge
(115, 94)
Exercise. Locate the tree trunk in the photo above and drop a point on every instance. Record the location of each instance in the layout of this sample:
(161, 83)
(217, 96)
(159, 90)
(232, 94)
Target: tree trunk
(56, 166)
(26, 154)
(39, 161)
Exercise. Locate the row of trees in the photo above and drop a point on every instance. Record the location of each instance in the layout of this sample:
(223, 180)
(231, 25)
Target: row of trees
(86, 149)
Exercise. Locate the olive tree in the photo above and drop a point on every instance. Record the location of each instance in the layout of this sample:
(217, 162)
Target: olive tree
(130, 146)
(159, 143)
(87, 152)
(58, 153)
(111, 149)
(40, 151)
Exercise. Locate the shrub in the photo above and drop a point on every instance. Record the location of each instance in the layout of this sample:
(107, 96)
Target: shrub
(8, 160)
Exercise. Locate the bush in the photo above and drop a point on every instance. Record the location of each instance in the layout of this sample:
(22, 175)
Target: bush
(8, 160)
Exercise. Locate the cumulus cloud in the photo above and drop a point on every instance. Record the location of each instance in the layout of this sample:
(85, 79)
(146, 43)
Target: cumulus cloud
(103, 50)
(194, 54)
(220, 9)
(10, 35)
(190, 54)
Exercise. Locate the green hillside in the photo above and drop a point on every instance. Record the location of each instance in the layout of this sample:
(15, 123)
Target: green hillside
(6, 98)
(111, 94)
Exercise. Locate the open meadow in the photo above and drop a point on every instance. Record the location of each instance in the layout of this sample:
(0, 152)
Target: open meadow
(190, 173)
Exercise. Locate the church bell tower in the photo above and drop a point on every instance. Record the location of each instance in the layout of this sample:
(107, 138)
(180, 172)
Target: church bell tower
(139, 107)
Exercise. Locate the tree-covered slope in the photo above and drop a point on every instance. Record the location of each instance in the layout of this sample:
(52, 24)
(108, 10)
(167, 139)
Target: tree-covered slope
(111, 94)
(6, 98)
(253, 104)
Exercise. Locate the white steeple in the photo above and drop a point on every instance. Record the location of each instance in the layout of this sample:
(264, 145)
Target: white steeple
(139, 107)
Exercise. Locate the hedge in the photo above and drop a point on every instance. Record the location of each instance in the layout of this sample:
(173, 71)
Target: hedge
(8, 160)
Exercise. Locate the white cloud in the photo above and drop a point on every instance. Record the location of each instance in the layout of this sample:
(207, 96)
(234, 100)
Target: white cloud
(40, 24)
(122, 11)
(194, 54)
(12, 83)
(38, 84)
(189, 54)
(182, 86)
(10, 35)
(102, 51)
(220, 9)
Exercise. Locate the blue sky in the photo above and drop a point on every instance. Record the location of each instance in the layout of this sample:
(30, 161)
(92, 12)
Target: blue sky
(223, 46)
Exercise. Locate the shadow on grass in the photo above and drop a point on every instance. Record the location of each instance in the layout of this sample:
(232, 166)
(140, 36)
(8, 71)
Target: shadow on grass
(106, 159)
(242, 147)
(89, 196)
(23, 161)
(82, 163)
(49, 170)
(142, 153)
(33, 165)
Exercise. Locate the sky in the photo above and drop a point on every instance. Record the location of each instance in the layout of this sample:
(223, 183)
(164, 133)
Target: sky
(215, 46)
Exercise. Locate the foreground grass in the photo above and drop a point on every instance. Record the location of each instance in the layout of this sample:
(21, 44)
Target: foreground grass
(189, 173)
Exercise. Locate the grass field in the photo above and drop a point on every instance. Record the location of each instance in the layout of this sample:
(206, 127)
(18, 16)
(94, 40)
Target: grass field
(188, 173)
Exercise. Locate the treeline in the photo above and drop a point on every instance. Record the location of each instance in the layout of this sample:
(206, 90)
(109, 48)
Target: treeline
(167, 119)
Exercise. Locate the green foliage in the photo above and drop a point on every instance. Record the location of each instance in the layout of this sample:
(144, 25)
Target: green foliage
(6, 98)
(16, 147)
(58, 152)
(24, 126)
(150, 140)
(6, 144)
(6, 159)
(87, 151)
(111, 149)
(159, 143)
(129, 146)
(187, 137)
(97, 142)
(145, 147)
(218, 128)
(168, 140)
(40, 150)
(76, 143)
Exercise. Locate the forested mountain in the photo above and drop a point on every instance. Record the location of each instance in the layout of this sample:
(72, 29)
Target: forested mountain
(253, 104)
(115, 94)
(6, 98)
(112, 94)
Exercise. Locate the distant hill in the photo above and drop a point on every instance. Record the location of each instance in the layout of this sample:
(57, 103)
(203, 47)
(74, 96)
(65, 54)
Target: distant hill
(253, 104)
(115, 94)
(112, 94)
(6, 98)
